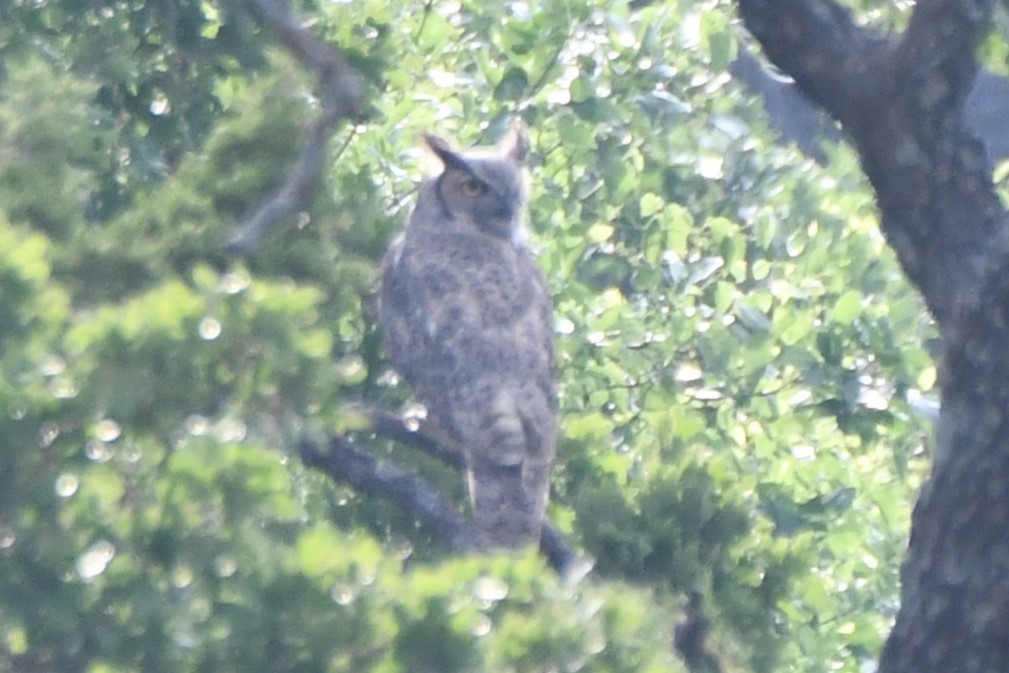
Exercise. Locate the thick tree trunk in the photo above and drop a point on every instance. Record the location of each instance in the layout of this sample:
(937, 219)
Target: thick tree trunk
(900, 101)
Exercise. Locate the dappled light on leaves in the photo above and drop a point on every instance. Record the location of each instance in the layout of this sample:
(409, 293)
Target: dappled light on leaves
(107, 430)
(412, 414)
(351, 368)
(230, 430)
(95, 560)
(710, 167)
(344, 594)
(210, 328)
(563, 325)
(804, 452)
(225, 566)
(159, 104)
(482, 626)
(234, 282)
(490, 589)
(131, 453)
(98, 451)
(48, 433)
(52, 365)
(66, 484)
(197, 425)
(63, 388)
(182, 576)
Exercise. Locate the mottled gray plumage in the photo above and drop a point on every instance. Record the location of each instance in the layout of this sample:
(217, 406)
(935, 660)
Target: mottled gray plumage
(468, 322)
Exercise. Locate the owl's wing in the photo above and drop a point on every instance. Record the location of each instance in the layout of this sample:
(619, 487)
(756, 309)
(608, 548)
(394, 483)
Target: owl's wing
(394, 307)
(509, 471)
(470, 328)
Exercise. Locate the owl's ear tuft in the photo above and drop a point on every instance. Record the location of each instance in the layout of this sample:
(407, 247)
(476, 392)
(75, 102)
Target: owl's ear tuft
(515, 143)
(443, 150)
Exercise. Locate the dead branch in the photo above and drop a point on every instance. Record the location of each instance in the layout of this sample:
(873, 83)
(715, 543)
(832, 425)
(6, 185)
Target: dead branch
(340, 93)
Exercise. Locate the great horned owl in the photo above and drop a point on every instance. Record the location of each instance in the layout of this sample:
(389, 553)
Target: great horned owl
(467, 321)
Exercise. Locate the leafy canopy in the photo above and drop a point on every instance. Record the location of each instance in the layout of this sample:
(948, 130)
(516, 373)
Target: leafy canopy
(741, 363)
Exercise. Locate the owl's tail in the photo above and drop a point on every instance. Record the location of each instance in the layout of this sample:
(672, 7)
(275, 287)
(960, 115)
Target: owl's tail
(508, 473)
(508, 502)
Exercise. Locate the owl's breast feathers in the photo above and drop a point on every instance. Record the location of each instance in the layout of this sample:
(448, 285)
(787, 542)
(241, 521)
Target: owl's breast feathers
(466, 316)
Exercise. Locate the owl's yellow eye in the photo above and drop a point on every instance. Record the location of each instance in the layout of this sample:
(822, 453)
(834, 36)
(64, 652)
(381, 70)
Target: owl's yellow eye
(474, 187)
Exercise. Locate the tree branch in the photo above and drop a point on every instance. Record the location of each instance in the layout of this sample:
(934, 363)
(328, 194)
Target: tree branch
(419, 433)
(340, 92)
(902, 104)
(799, 120)
(691, 637)
(346, 464)
(367, 474)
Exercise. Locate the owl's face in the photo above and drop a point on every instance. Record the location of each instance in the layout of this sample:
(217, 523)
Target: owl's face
(483, 188)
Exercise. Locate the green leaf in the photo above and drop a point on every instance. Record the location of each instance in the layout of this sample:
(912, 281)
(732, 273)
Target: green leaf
(512, 86)
(847, 307)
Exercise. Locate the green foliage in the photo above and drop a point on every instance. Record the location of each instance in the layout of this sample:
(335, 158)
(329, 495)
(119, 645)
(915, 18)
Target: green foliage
(738, 354)
(52, 148)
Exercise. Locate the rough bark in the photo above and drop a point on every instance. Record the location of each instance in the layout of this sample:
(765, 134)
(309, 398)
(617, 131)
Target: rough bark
(797, 120)
(900, 100)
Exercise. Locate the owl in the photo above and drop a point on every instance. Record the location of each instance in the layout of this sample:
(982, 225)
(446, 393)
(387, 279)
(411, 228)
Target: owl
(467, 321)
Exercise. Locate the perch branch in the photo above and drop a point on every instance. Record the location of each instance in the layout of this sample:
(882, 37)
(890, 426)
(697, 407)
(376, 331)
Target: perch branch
(418, 433)
(347, 464)
(340, 92)
(433, 441)
(367, 474)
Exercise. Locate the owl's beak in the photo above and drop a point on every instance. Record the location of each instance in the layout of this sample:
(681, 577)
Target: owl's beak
(505, 212)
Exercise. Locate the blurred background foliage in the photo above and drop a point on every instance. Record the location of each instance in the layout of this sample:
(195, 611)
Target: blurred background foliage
(745, 388)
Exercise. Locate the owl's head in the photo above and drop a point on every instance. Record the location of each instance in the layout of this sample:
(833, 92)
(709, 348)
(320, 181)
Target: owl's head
(484, 188)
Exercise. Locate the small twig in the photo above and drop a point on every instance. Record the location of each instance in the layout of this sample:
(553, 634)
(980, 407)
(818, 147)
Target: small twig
(423, 20)
(542, 80)
(343, 146)
(340, 92)
(418, 433)
(691, 635)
